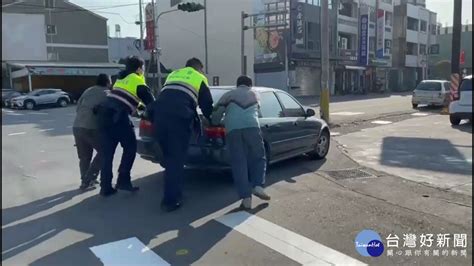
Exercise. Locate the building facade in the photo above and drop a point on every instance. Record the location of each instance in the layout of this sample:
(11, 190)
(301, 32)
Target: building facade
(415, 34)
(71, 33)
(53, 44)
(440, 59)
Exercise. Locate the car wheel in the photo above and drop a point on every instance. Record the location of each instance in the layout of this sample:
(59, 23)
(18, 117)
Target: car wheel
(322, 147)
(455, 121)
(62, 102)
(414, 105)
(30, 105)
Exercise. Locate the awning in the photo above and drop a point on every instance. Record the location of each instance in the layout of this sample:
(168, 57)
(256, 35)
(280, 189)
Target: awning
(355, 67)
(63, 69)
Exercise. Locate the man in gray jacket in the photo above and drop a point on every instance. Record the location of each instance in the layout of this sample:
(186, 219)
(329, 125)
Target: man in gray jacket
(244, 139)
(85, 130)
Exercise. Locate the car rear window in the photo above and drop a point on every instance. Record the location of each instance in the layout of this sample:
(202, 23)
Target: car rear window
(466, 85)
(217, 94)
(429, 86)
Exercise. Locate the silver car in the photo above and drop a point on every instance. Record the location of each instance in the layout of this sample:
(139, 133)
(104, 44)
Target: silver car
(431, 93)
(41, 97)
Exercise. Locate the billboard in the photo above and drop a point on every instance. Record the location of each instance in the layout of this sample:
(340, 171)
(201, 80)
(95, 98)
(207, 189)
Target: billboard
(270, 43)
(299, 20)
(150, 27)
(363, 58)
(380, 34)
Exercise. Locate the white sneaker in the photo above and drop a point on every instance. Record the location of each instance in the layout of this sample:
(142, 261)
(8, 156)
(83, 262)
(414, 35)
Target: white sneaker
(246, 204)
(260, 192)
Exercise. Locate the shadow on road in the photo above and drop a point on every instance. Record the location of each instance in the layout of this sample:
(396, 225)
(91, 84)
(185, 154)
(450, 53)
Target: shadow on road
(136, 215)
(438, 155)
(464, 127)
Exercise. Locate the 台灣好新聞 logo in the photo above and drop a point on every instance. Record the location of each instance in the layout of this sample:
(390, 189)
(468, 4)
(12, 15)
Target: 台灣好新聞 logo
(369, 243)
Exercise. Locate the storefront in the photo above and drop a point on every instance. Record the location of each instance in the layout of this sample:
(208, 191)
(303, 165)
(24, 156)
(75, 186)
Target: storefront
(73, 78)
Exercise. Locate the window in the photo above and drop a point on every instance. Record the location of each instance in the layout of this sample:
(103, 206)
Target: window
(346, 9)
(423, 26)
(412, 48)
(387, 1)
(447, 86)
(53, 56)
(217, 94)
(388, 18)
(433, 29)
(434, 49)
(429, 86)
(388, 46)
(422, 49)
(412, 24)
(292, 108)
(372, 44)
(269, 105)
(51, 29)
(49, 3)
(372, 15)
(345, 41)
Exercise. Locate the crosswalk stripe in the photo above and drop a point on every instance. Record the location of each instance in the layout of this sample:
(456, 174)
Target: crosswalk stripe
(129, 251)
(381, 122)
(296, 247)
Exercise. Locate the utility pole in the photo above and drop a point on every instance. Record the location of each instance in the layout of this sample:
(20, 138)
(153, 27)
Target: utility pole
(141, 29)
(206, 64)
(242, 43)
(324, 98)
(456, 42)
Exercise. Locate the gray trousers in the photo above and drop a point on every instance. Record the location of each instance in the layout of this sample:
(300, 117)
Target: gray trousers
(87, 140)
(247, 155)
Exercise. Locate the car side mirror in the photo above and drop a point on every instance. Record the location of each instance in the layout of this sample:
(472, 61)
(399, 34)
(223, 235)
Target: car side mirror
(310, 113)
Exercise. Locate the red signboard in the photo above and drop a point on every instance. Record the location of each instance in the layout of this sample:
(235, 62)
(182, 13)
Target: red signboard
(150, 28)
(462, 59)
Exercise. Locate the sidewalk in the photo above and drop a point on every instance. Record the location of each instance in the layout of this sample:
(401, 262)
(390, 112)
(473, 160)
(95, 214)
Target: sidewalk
(313, 101)
(425, 150)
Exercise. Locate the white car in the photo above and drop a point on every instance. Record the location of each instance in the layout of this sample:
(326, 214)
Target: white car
(461, 107)
(431, 93)
(41, 97)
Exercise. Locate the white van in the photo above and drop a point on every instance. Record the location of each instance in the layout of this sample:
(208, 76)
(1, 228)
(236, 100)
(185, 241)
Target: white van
(461, 107)
(431, 93)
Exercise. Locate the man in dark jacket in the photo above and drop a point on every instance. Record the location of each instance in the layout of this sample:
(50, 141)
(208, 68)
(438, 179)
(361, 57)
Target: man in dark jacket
(85, 130)
(174, 114)
(128, 92)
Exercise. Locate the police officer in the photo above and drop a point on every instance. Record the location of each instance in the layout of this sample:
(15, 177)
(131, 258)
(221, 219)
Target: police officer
(174, 115)
(127, 93)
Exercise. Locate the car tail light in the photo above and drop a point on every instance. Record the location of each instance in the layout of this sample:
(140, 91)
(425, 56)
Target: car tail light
(146, 128)
(215, 132)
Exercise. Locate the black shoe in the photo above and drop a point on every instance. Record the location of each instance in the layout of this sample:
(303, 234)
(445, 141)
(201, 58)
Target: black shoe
(170, 207)
(127, 187)
(95, 182)
(107, 192)
(86, 185)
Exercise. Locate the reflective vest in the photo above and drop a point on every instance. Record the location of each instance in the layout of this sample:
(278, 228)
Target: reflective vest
(187, 80)
(125, 90)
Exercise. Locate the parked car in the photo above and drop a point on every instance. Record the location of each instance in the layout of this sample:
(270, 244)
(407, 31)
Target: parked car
(431, 93)
(288, 128)
(461, 106)
(7, 95)
(41, 97)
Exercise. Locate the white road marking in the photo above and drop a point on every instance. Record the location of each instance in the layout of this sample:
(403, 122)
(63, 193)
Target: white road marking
(12, 113)
(335, 134)
(16, 134)
(37, 113)
(296, 247)
(381, 122)
(129, 251)
(419, 114)
(347, 113)
(48, 129)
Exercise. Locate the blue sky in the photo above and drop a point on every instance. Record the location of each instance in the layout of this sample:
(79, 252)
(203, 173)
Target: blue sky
(125, 12)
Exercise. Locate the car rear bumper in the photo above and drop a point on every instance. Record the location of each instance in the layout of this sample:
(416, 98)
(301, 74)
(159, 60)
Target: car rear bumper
(199, 157)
